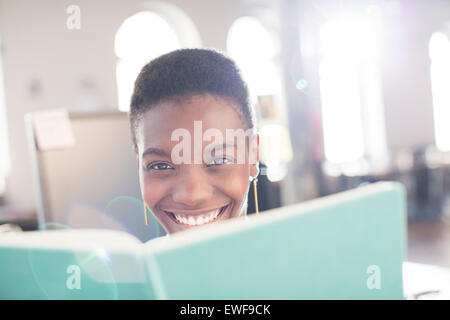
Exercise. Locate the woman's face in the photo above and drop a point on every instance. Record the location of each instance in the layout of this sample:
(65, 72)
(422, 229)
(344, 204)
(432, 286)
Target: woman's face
(198, 179)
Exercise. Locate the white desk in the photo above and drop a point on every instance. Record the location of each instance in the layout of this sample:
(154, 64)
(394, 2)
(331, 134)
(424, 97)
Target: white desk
(419, 278)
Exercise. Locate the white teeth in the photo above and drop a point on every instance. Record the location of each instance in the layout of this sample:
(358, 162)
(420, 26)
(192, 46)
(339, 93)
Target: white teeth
(197, 220)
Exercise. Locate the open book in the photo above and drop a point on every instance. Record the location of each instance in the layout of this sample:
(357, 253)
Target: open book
(346, 246)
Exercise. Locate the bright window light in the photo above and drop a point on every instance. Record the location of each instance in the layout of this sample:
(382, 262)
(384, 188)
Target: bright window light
(275, 144)
(253, 48)
(141, 38)
(350, 85)
(439, 49)
(341, 112)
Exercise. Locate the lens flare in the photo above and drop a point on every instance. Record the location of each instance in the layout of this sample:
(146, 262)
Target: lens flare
(51, 272)
(131, 213)
(301, 84)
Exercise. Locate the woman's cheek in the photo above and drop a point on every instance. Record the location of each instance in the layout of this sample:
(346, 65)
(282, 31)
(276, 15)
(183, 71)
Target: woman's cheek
(236, 184)
(154, 191)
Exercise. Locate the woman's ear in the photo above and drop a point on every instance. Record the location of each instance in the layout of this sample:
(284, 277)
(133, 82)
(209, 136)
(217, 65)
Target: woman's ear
(254, 156)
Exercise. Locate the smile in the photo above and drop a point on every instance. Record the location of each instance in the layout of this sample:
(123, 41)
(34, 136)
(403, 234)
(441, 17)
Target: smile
(197, 219)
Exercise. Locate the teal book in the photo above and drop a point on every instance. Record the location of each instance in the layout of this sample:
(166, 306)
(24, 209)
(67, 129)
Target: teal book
(346, 246)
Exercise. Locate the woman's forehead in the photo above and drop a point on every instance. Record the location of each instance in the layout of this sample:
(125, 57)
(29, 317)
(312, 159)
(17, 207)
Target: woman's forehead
(203, 112)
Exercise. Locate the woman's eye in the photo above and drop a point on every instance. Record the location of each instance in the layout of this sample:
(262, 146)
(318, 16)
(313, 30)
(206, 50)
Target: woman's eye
(219, 161)
(159, 166)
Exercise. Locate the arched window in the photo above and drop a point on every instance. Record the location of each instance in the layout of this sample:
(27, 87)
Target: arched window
(142, 37)
(439, 49)
(351, 95)
(255, 51)
(4, 150)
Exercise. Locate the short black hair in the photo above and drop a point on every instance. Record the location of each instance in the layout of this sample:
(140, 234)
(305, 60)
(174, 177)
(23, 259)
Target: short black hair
(184, 73)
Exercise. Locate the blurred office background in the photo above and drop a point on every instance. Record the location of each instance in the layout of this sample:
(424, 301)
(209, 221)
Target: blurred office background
(346, 92)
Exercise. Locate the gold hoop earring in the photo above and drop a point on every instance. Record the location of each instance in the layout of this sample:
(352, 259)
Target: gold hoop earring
(145, 214)
(255, 194)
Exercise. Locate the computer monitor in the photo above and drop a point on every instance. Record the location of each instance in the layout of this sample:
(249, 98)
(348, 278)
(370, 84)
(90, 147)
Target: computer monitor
(94, 183)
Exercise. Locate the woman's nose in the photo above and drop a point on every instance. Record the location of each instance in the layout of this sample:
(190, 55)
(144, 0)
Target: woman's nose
(192, 189)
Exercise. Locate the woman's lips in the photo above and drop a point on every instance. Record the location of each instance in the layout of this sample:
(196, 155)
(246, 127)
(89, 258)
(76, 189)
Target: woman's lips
(197, 219)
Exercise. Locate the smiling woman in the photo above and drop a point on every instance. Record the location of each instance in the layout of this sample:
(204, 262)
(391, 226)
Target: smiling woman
(193, 183)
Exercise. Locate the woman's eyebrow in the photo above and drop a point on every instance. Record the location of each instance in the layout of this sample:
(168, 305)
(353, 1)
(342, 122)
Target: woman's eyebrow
(222, 146)
(154, 151)
(162, 153)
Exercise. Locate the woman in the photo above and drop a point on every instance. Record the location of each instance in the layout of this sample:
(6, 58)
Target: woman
(185, 108)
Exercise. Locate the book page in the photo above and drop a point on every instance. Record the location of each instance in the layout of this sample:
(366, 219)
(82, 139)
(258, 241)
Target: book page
(71, 239)
(107, 257)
